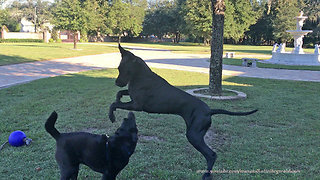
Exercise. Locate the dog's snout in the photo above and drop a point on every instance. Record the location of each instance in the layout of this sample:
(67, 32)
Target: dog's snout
(131, 116)
(120, 83)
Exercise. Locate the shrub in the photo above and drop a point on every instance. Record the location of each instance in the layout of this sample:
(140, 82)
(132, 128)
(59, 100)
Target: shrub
(58, 41)
(20, 40)
(54, 34)
(51, 40)
(83, 37)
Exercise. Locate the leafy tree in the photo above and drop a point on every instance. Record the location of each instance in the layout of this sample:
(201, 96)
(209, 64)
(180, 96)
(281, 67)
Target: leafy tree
(262, 31)
(75, 16)
(311, 8)
(239, 16)
(118, 18)
(38, 12)
(155, 22)
(199, 18)
(125, 17)
(164, 19)
(284, 11)
(137, 14)
(10, 20)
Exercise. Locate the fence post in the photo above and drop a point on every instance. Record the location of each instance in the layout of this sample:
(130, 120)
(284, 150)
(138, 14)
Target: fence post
(3, 32)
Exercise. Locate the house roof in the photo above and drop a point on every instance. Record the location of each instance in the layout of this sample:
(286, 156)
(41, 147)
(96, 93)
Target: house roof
(25, 22)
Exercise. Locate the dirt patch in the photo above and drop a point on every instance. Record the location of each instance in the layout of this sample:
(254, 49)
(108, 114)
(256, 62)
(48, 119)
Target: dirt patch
(206, 92)
(89, 130)
(234, 95)
(216, 140)
(150, 138)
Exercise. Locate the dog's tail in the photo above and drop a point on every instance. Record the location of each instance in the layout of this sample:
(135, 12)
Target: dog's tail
(49, 126)
(222, 111)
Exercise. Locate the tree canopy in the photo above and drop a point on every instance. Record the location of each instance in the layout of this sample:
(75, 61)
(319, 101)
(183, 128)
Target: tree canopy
(75, 16)
(246, 21)
(125, 17)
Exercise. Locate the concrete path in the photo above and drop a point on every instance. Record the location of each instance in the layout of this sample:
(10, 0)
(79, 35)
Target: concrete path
(22, 73)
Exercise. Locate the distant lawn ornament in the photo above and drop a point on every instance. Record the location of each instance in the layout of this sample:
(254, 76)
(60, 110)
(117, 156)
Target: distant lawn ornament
(17, 139)
(297, 56)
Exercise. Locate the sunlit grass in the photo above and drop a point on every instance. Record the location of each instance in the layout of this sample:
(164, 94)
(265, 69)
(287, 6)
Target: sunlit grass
(12, 53)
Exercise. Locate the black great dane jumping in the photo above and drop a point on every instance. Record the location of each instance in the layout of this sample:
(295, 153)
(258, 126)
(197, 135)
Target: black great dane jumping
(151, 93)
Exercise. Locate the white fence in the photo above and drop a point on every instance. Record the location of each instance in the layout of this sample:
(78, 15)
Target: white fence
(25, 35)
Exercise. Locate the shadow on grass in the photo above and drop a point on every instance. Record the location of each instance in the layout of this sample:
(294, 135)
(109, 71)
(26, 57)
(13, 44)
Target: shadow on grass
(6, 60)
(35, 45)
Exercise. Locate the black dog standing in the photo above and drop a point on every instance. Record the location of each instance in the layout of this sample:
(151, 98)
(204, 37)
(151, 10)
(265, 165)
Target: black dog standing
(102, 154)
(151, 93)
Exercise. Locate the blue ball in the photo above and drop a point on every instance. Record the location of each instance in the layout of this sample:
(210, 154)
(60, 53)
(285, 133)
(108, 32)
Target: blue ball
(16, 138)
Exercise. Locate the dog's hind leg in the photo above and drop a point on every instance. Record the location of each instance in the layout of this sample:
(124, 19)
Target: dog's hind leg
(68, 168)
(69, 173)
(108, 176)
(195, 135)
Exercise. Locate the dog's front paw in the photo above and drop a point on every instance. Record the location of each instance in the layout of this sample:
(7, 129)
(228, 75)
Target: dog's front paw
(111, 114)
(207, 176)
(112, 117)
(118, 98)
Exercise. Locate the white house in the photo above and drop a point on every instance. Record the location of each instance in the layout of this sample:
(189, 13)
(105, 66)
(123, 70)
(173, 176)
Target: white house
(28, 26)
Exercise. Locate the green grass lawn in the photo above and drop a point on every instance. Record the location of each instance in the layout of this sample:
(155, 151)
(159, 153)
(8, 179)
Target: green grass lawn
(282, 135)
(13, 53)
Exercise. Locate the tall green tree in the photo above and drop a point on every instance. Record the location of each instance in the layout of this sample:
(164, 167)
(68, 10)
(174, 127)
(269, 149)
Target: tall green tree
(75, 16)
(199, 18)
(118, 18)
(311, 8)
(11, 23)
(125, 17)
(38, 12)
(239, 15)
(284, 13)
(137, 14)
(262, 31)
(164, 19)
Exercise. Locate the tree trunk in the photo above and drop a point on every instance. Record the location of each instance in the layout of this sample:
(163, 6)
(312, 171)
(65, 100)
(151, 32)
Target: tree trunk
(215, 84)
(119, 39)
(177, 37)
(75, 39)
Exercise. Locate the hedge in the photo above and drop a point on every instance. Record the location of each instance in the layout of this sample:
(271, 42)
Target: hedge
(20, 40)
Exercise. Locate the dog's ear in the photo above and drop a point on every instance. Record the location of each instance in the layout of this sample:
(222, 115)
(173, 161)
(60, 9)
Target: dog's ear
(127, 53)
(122, 51)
